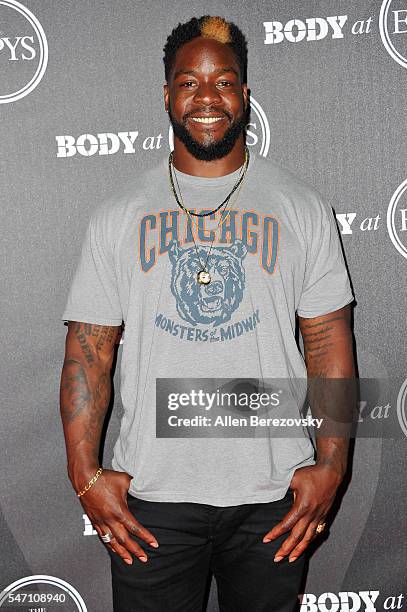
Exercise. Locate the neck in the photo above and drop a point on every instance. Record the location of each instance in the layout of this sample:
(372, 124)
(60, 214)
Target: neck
(185, 162)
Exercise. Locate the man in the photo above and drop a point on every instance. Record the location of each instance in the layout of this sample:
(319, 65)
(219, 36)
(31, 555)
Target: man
(205, 290)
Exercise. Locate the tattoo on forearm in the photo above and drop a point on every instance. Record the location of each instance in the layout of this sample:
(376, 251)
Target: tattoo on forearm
(317, 340)
(105, 334)
(97, 409)
(102, 333)
(85, 388)
(80, 334)
(75, 390)
(78, 401)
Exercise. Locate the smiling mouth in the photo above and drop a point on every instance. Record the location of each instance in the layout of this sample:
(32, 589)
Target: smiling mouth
(206, 120)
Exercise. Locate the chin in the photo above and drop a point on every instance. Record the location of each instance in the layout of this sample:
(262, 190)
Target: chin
(208, 154)
(217, 147)
(209, 151)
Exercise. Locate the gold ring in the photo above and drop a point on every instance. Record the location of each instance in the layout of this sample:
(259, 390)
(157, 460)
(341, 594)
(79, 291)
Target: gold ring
(320, 527)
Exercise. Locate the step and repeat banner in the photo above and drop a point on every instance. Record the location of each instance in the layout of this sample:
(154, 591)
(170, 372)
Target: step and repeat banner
(82, 111)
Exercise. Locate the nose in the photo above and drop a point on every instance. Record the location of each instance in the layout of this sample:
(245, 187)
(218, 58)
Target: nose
(214, 288)
(207, 94)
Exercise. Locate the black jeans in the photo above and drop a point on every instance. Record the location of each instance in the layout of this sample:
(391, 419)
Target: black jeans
(198, 541)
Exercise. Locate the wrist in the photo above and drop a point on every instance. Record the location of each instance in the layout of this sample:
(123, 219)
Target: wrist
(336, 468)
(90, 483)
(81, 475)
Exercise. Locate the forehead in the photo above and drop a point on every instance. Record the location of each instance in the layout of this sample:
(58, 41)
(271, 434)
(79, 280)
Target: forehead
(204, 55)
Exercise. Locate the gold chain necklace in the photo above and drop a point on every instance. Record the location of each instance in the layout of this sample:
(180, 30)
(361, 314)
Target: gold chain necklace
(223, 218)
(203, 276)
(236, 185)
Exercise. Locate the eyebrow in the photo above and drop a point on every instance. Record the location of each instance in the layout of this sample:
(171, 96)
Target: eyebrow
(218, 71)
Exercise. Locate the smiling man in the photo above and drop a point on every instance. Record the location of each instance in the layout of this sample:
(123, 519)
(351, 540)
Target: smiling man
(207, 258)
(207, 133)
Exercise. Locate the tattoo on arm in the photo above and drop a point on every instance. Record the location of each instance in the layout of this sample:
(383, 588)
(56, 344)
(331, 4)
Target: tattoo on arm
(76, 394)
(329, 361)
(86, 387)
(102, 333)
(97, 409)
(318, 340)
(78, 401)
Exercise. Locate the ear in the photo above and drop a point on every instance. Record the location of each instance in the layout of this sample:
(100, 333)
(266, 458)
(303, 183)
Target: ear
(245, 93)
(166, 96)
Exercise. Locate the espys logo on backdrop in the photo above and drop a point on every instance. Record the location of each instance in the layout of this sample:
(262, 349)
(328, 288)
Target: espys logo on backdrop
(396, 220)
(392, 26)
(402, 407)
(392, 22)
(107, 143)
(23, 51)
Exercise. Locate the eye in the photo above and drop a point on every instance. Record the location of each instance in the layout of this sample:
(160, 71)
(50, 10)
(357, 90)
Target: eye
(187, 83)
(225, 83)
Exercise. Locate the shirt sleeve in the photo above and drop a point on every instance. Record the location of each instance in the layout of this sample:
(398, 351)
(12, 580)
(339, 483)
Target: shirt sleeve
(326, 285)
(94, 296)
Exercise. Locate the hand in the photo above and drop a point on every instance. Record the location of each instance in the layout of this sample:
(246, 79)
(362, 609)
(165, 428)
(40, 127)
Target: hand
(105, 503)
(314, 489)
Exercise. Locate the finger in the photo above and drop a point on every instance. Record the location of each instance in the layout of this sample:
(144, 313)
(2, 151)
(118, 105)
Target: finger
(297, 533)
(116, 545)
(102, 530)
(310, 535)
(132, 524)
(120, 550)
(123, 539)
(286, 523)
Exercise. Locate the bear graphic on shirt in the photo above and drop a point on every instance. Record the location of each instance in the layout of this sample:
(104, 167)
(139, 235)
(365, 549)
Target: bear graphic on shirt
(213, 303)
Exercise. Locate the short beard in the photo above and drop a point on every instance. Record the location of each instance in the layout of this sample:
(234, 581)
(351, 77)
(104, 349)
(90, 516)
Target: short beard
(214, 150)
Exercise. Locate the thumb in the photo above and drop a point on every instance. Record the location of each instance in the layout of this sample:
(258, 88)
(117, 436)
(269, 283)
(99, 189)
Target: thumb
(125, 485)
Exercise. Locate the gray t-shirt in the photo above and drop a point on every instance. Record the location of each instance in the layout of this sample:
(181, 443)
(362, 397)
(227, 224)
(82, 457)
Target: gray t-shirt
(276, 254)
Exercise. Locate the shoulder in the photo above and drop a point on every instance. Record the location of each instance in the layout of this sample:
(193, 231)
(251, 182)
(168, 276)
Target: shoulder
(289, 187)
(132, 194)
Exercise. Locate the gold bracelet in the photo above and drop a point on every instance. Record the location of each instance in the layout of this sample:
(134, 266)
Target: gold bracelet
(91, 482)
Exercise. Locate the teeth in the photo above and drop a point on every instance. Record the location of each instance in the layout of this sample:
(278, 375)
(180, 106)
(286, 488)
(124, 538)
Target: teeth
(206, 119)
